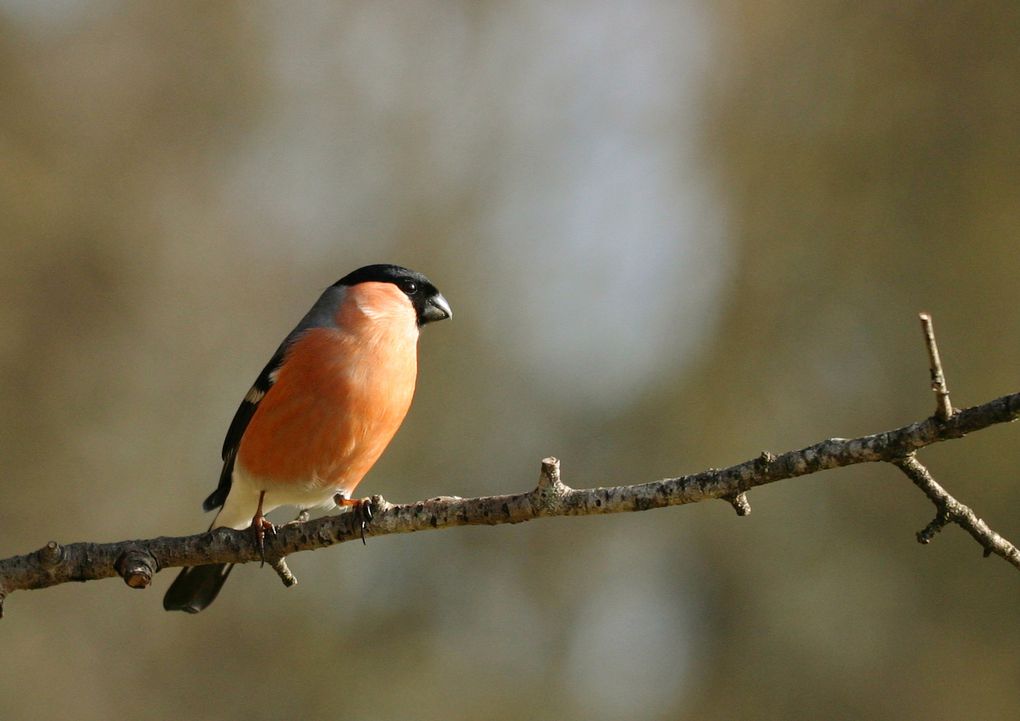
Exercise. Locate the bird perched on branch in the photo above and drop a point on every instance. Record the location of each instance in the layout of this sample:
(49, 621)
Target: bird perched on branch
(321, 412)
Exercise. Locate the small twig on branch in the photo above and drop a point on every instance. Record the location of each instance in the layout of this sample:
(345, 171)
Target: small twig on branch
(949, 510)
(943, 408)
(740, 504)
(284, 572)
(137, 561)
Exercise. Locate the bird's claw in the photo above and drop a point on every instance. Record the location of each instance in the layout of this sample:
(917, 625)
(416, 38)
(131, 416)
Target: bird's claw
(261, 524)
(362, 509)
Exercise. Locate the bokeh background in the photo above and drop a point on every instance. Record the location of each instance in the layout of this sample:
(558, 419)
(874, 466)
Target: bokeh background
(673, 233)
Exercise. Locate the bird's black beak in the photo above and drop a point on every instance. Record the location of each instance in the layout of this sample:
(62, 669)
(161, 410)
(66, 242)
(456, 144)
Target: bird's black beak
(436, 308)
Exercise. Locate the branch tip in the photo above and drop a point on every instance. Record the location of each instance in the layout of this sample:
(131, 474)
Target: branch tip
(927, 534)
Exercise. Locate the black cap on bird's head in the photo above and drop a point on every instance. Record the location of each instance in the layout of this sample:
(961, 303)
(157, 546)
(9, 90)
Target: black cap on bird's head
(429, 304)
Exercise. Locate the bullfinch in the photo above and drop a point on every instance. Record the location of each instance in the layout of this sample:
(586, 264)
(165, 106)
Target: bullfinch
(321, 412)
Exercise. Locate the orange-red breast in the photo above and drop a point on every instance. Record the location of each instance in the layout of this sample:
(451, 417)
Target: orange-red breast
(323, 409)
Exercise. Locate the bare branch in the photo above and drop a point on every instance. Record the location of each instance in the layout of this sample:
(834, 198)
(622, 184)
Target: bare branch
(137, 561)
(943, 408)
(949, 510)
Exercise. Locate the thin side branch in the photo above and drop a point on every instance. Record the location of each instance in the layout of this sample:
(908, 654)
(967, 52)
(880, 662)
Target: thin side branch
(137, 561)
(943, 408)
(949, 510)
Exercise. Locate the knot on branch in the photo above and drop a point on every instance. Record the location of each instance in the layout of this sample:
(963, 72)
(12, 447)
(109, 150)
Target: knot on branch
(137, 567)
(50, 555)
(740, 503)
(284, 572)
(548, 495)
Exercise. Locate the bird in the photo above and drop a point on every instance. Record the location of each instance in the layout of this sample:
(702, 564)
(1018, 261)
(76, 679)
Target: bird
(321, 412)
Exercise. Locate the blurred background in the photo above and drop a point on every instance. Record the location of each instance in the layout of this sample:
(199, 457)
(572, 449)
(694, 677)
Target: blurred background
(673, 234)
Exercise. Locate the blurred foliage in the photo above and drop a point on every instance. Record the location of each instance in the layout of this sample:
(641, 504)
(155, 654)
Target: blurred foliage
(673, 235)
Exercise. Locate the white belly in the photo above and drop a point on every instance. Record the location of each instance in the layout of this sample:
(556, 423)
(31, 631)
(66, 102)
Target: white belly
(243, 500)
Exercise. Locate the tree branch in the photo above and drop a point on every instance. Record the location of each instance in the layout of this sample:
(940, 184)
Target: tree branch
(943, 408)
(137, 561)
(949, 510)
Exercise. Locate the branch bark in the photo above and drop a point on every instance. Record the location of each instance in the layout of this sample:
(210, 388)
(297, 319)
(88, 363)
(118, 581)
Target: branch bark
(138, 561)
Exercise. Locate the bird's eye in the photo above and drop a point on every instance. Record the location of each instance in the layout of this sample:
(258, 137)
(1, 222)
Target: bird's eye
(409, 286)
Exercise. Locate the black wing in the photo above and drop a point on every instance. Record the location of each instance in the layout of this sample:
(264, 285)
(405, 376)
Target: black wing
(321, 315)
(237, 426)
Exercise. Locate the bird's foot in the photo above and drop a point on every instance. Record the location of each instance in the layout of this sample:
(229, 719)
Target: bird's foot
(260, 524)
(361, 508)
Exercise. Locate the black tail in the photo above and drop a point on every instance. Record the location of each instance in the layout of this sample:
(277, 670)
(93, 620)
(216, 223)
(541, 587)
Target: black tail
(196, 587)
